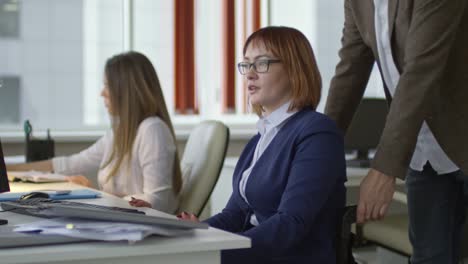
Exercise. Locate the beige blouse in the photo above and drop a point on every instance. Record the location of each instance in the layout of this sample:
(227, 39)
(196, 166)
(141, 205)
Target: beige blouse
(149, 176)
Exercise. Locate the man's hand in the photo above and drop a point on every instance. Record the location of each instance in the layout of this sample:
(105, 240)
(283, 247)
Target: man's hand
(375, 194)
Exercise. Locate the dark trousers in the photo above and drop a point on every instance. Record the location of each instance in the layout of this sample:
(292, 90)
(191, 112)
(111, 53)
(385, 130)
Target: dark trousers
(437, 206)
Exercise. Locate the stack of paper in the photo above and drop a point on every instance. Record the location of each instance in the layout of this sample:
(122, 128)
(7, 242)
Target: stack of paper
(98, 230)
(35, 176)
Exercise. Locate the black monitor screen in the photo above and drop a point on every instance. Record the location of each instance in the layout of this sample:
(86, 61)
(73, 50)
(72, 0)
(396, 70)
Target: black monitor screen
(365, 129)
(4, 186)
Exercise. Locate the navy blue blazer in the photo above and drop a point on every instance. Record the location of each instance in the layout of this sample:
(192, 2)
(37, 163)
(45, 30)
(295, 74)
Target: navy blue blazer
(296, 190)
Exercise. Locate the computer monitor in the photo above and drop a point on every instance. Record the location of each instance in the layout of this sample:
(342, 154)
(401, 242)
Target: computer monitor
(365, 130)
(4, 186)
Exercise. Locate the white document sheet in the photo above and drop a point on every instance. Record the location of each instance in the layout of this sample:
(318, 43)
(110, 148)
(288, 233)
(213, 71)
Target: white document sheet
(35, 176)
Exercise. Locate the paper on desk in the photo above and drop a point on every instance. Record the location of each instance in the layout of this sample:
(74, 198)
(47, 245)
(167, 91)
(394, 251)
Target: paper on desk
(36, 176)
(98, 230)
(15, 159)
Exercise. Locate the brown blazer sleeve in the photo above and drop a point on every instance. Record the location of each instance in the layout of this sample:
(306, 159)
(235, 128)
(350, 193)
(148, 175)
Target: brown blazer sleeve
(433, 28)
(351, 74)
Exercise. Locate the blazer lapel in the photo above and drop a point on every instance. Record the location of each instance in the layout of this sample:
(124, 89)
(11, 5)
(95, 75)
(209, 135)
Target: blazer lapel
(245, 165)
(267, 153)
(392, 11)
(365, 12)
(372, 27)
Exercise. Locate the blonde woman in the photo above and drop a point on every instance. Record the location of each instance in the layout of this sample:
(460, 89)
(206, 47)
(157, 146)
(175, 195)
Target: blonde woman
(137, 159)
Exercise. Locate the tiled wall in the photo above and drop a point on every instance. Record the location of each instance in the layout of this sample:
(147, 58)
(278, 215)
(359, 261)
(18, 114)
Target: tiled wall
(62, 48)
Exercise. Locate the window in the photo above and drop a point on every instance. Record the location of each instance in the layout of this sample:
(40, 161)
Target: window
(321, 21)
(47, 60)
(52, 54)
(104, 34)
(111, 27)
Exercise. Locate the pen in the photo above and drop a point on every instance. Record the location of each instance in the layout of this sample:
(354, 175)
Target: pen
(56, 192)
(61, 192)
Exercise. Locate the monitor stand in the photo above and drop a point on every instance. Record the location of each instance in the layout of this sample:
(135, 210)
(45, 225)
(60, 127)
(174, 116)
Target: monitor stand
(361, 161)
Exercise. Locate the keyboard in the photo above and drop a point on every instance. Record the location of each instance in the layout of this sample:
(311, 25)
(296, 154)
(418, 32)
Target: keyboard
(37, 206)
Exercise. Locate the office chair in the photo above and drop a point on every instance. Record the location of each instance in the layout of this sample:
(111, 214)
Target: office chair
(391, 232)
(344, 237)
(201, 164)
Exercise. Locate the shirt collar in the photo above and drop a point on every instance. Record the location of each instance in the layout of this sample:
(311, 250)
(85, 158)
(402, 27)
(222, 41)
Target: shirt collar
(275, 119)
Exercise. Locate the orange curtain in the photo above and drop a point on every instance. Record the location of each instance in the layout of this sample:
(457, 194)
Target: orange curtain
(250, 23)
(228, 57)
(184, 66)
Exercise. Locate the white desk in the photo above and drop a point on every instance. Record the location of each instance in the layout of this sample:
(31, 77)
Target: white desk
(202, 247)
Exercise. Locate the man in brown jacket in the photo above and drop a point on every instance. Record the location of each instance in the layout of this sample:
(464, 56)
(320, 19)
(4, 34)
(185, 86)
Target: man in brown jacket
(421, 49)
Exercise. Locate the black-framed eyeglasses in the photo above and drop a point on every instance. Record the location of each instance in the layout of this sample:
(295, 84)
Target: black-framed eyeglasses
(259, 66)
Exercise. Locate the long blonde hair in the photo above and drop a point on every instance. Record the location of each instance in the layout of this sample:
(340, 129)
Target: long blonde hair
(135, 94)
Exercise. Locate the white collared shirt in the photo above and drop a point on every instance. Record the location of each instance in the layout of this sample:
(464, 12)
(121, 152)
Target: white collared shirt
(427, 148)
(268, 127)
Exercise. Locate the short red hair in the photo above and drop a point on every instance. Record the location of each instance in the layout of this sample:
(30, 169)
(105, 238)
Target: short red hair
(297, 56)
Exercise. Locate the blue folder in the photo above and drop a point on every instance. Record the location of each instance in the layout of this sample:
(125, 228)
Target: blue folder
(73, 194)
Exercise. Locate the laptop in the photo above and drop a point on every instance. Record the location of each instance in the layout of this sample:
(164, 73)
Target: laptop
(8, 238)
(4, 186)
(42, 207)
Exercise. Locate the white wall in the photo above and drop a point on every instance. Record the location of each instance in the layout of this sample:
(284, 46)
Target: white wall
(62, 49)
(48, 57)
(321, 21)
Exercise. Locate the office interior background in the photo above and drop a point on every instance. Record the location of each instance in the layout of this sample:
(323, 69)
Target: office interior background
(52, 54)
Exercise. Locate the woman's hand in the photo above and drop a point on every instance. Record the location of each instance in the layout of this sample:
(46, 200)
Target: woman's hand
(139, 203)
(79, 179)
(187, 216)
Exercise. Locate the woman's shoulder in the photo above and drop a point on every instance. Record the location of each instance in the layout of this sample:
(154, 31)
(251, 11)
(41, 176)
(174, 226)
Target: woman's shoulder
(154, 125)
(152, 121)
(311, 120)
